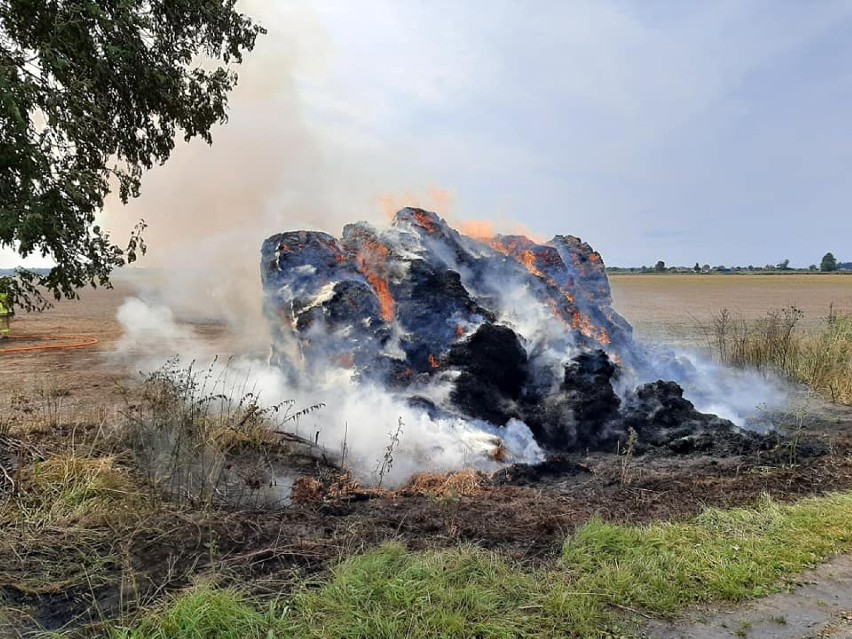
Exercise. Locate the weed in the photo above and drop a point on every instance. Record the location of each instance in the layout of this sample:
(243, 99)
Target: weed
(743, 629)
(793, 424)
(52, 401)
(385, 464)
(627, 456)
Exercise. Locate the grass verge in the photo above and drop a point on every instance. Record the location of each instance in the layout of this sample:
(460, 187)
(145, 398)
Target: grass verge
(606, 575)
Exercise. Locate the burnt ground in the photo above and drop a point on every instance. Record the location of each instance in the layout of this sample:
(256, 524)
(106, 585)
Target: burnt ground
(71, 576)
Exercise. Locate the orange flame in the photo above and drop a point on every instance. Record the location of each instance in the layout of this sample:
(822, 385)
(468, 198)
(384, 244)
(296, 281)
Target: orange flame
(584, 324)
(519, 229)
(520, 249)
(441, 201)
(385, 298)
(371, 260)
(528, 260)
(434, 199)
(390, 203)
(424, 221)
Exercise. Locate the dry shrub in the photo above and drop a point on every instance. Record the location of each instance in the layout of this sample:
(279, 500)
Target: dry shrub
(464, 483)
(499, 453)
(205, 439)
(343, 485)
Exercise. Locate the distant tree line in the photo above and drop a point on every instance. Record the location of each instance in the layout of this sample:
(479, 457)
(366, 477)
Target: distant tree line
(827, 264)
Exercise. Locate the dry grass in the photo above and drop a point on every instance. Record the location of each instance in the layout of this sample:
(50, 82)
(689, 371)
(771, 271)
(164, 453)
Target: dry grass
(70, 490)
(307, 490)
(464, 483)
(820, 359)
(339, 486)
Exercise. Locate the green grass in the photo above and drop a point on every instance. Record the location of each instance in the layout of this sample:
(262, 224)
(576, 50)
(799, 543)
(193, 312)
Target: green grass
(455, 593)
(606, 572)
(207, 613)
(718, 556)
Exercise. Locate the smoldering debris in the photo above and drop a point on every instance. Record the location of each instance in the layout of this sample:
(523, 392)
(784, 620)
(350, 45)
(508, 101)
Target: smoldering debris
(500, 333)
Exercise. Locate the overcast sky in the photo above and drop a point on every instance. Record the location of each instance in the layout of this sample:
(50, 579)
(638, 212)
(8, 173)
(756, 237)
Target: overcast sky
(715, 132)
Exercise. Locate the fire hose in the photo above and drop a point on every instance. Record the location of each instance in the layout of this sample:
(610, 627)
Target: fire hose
(79, 342)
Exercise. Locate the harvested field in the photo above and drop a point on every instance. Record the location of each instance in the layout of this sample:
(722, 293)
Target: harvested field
(671, 307)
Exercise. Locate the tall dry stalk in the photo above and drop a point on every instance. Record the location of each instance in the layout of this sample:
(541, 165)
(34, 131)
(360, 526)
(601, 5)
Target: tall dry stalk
(821, 359)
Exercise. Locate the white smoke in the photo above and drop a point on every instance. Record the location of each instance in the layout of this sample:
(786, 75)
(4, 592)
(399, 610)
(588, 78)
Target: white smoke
(362, 418)
(745, 397)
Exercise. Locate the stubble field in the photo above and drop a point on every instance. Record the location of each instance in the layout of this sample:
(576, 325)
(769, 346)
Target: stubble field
(674, 307)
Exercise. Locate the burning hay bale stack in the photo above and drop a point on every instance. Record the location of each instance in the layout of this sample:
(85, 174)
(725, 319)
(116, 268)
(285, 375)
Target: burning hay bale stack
(499, 331)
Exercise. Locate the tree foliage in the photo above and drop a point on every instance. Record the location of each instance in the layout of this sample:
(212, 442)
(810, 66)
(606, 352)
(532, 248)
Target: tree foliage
(92, 94)
(828, 263)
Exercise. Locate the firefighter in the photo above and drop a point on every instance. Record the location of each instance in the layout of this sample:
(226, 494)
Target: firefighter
(6, 313)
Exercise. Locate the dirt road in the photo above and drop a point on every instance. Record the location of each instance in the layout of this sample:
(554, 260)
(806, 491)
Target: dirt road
(819, 608)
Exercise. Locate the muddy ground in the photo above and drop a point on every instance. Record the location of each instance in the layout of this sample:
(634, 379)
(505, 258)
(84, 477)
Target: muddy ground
(73, 575)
